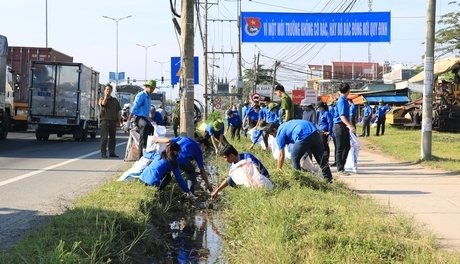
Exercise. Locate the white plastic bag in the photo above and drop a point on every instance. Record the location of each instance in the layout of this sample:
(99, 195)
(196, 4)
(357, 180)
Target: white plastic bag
(136, 170)
(275, 149)
(159, 131)
(154, 147)
(307, 164)
(352, 160)
(247, 174)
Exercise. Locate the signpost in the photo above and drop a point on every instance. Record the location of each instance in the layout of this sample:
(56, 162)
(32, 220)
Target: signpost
(217, 106)
(255, 97)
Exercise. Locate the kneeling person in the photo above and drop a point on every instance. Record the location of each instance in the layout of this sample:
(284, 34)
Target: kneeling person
(230, 155)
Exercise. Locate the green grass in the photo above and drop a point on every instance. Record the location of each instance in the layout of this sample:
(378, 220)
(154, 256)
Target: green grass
(406, 145)
(111, 223)
(303, 220)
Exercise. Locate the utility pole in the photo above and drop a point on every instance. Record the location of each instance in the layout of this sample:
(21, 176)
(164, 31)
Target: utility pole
(240, 84)
(187, 68)
(277, 64)
(205, 49)
(369, 56)
(427, 105)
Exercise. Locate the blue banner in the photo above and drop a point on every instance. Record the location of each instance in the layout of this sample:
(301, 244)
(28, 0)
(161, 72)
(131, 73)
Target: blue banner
(316, 27)
(175, 70)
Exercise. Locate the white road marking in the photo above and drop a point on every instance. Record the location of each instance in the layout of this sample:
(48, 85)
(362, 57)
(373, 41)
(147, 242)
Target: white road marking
(30, 174)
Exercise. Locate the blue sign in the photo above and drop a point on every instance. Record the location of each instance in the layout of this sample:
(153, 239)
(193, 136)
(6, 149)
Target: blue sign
(121, 76)
(175, 70)
(316, 27)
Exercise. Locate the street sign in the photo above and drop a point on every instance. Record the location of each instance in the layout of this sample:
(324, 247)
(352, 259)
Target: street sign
(217, 106)
(255, 97)
(217, 99)
(176, 68)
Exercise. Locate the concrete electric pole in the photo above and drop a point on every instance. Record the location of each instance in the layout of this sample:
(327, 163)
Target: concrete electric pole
(427, 105)
(187, 99)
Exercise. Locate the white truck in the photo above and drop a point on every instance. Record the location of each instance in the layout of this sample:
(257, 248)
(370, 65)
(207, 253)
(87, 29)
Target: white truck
(63, 100)
(6, 91)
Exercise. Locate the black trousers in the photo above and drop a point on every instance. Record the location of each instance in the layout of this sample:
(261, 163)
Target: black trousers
(326, 149)
(380, 123)
(235, 130)
(143, 125)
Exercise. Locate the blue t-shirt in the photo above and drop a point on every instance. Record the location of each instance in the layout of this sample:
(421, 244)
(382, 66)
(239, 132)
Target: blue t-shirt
(273, 117)
(342, 108)
(189, 150)
(294, 131)
(235, 120)
(158, 118)
(254, 160)
(325, 121)
(367, 111)
(156, 171)
(213, 132)
(253, 115)
(381, 111)
(263, 113)
(244, 111)
(353, 110)
(141, 105)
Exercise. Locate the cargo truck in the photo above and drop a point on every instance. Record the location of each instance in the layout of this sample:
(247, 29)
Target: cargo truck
(6, 90)
(63, 100)
(20, 58)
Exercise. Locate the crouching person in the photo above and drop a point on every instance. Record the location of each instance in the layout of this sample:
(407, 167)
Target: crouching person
(190, 150)
(158, 172)
(253, 173)
(306, 139)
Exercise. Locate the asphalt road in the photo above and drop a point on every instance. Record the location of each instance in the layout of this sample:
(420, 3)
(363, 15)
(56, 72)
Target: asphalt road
(39, 179)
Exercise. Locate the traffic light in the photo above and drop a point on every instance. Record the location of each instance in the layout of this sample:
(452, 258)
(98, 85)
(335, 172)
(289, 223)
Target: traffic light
(162, 79)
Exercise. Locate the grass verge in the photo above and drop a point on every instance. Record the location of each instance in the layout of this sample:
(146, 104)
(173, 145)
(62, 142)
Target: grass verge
(305, 220)
(117, 223)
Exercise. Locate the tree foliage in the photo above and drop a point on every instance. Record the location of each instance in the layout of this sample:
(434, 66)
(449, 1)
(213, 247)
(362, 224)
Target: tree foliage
(447, 39)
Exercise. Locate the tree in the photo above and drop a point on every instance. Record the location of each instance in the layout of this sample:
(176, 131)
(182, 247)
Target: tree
(447, 39)
(264, 76)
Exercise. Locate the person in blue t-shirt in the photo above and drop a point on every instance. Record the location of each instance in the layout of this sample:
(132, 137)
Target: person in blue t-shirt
(156, 117)
(367, 115)
(234, 123)
(190, 150)
(342, 128)
(230, 155)
(215, 130)
(157, 173)
(252, 116)
(353, 112)
(325, 125)
(141, 109)
(244, 111)
(273, 114)
(382, 110)
(305, 137)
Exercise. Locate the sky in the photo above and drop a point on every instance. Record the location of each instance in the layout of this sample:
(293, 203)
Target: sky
(78, 29)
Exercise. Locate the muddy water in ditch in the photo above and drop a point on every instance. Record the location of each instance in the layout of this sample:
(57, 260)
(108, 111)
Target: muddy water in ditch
(196, 233)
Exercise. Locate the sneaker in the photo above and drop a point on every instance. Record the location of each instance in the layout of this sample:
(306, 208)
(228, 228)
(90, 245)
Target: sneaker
(343, 173)
(103, 156)
(113, 155)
